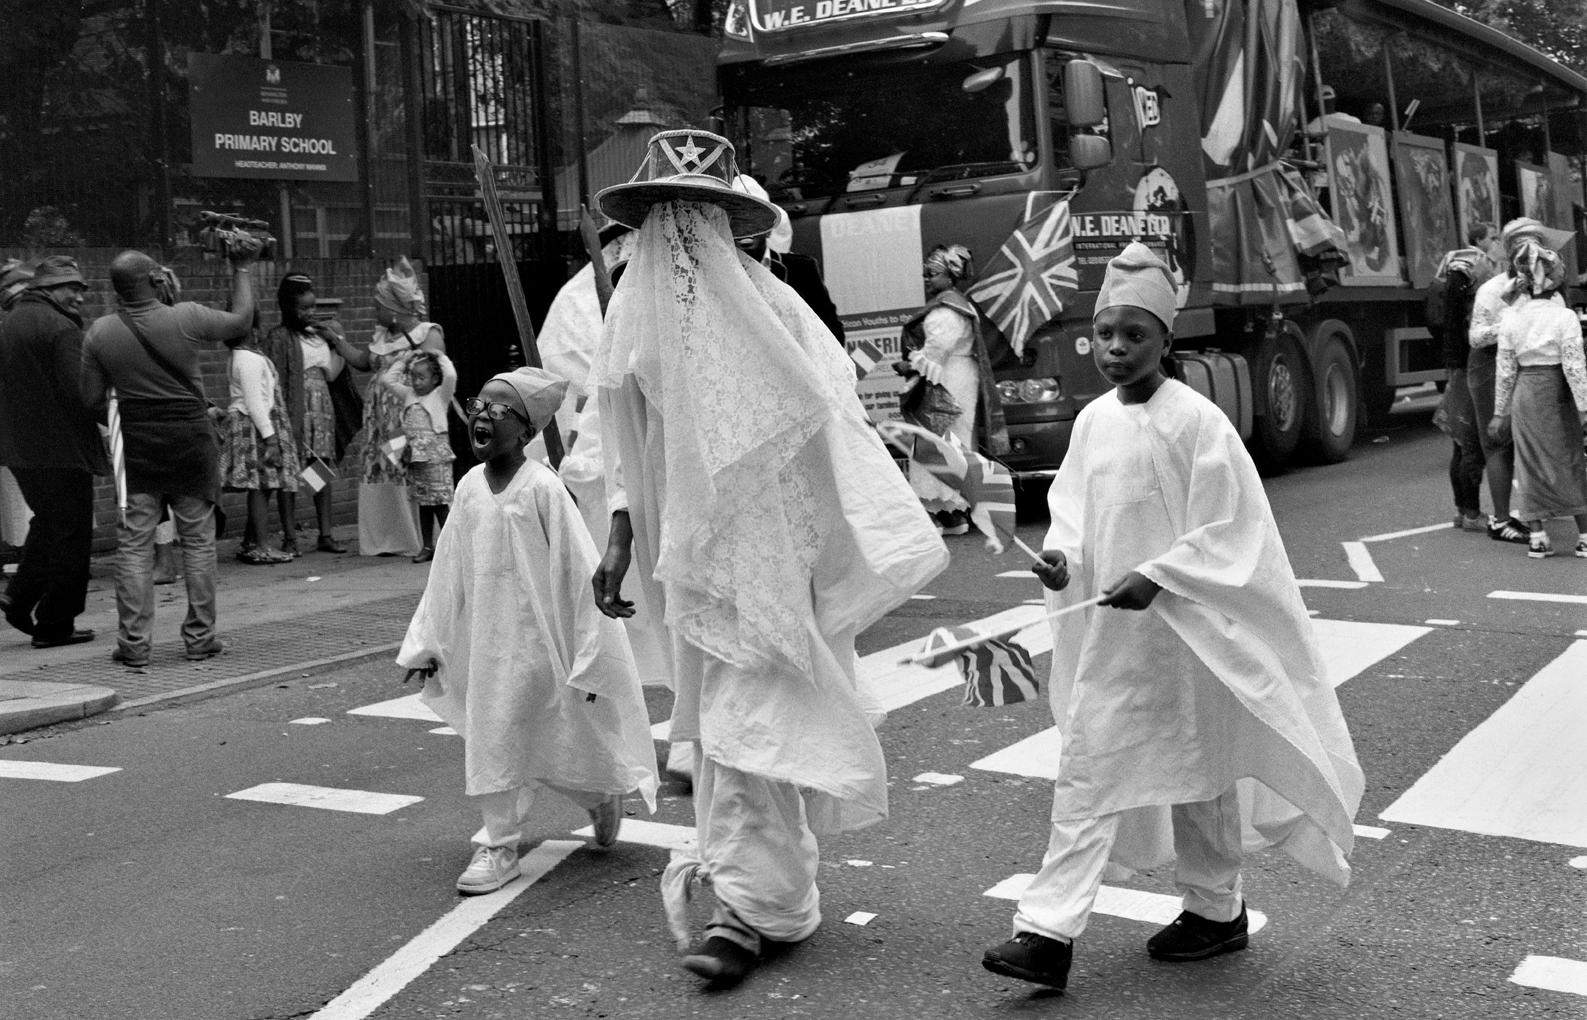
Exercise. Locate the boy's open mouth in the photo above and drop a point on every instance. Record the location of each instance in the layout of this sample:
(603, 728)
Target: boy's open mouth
(481, 434)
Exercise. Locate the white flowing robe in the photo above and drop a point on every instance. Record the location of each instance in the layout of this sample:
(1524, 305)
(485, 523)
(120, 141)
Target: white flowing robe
(507, 614)
(1220, 682)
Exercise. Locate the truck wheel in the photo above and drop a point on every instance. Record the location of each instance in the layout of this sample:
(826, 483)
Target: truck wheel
(1279, 378)
(1331, 419)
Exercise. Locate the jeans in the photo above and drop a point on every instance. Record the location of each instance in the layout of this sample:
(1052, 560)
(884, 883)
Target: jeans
(51, 582)
(1467, 462)
(195, 534)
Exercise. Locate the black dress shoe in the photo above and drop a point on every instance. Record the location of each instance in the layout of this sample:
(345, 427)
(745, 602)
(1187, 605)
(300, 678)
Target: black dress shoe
(722, 962)
(1193, 937)
(1031, 957)
(20, 620)
(76, 637)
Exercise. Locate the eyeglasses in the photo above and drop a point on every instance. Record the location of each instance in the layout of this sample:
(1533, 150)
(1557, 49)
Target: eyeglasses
(493, 411)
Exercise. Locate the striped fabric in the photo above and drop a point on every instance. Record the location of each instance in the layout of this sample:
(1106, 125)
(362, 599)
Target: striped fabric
(997, 672)
(317, 474)
(865, 355)
(989, 489)
(118, 452)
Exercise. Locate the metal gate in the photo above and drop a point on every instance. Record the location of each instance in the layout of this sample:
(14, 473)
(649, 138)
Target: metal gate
(480, 79)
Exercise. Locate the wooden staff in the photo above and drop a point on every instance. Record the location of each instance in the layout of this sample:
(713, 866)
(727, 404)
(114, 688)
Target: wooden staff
(592, 244)
(509, 271)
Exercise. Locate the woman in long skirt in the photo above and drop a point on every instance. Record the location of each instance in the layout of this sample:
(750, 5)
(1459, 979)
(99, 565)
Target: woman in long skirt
(258, 456)
(1540, 397)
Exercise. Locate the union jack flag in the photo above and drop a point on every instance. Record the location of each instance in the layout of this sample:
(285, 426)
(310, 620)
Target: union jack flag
(998, 672)
(989, 488)
(1032, 277)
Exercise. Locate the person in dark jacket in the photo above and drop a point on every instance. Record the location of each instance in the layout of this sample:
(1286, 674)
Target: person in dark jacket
(801, 272)
(51, 444)
(1450, 299)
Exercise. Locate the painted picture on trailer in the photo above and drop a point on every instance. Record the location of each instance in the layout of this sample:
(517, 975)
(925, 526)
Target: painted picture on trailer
(1358, 171)
(1537, 192)
(1426, 208)
(1476, 187)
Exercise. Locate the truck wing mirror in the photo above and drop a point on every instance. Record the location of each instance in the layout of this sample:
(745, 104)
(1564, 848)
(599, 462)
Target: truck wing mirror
(1088, 152)
(1083, 96)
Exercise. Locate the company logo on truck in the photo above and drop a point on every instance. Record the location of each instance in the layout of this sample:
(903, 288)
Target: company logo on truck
(775, 15)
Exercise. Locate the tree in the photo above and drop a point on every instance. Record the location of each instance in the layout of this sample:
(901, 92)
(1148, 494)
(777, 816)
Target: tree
(1557, 28)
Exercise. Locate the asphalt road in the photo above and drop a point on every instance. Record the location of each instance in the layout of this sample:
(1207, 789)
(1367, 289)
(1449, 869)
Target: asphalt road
(148, 892)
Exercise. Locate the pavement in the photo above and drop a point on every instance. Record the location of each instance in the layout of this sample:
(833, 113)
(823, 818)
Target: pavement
(321, 611)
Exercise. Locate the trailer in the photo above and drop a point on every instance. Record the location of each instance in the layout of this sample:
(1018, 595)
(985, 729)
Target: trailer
(1301, 164)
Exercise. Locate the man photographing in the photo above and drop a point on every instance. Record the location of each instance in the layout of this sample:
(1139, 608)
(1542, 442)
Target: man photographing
(147, 352)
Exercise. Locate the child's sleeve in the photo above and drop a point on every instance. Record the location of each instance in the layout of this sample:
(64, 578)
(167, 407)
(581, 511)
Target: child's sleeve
(395, 379)
(257, 394)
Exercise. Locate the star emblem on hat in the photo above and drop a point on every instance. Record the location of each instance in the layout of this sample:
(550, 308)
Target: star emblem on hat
(689, 152)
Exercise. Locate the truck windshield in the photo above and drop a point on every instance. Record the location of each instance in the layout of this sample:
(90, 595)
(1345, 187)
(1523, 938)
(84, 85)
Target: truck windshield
(861, 129)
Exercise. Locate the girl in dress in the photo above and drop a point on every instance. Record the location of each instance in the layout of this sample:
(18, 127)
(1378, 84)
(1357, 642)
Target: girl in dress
(259, 456)
(310, 357)
(426, 381)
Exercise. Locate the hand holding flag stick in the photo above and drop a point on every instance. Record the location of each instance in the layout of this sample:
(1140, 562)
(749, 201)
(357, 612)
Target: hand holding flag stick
(944, 644)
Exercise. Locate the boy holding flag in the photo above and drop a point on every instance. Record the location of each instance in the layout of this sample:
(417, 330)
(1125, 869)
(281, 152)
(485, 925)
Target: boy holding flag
(1197, 717)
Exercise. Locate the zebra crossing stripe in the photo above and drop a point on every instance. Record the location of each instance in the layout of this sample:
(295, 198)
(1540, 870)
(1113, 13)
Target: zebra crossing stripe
(1552, 973)
(1116, 901)
(52, 771)
(329, 798)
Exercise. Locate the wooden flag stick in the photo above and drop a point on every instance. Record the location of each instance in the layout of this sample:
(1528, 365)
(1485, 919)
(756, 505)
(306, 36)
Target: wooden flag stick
(515, 294)
(1033, 554)
(992, 635)
(592, 244)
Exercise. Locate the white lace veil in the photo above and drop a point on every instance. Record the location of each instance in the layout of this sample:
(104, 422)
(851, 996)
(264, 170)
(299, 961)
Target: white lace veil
(743, 376)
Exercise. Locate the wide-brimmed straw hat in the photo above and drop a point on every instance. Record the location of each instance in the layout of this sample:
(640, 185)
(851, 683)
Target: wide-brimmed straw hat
(688, 166)
(1526, 226)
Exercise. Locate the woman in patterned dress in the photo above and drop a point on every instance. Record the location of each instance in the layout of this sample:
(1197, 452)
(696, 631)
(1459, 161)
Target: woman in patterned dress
(259, 455)
(310, 357)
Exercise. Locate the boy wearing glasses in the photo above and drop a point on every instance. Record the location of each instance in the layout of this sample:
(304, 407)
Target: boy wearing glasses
(540, 685)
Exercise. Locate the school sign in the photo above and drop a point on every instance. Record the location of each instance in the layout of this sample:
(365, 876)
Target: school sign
(271, 119)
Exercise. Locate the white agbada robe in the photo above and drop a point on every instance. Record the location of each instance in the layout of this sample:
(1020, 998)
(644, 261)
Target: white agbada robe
(1220, 681)
(508, 616)
(770, 526)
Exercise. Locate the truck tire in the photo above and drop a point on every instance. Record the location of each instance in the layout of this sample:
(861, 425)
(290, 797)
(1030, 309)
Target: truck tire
(1330, 427)
(1278, 376)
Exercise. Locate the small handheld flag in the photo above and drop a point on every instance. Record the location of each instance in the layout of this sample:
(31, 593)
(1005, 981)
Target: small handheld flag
(943, 459)
(393, 447)
(865, 355)
(989, 488)
(317, 474)
(118, 452)
(998, 672)
(944, 644)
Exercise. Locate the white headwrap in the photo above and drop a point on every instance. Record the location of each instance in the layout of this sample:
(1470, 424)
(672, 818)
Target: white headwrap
(399, 290)
(780, 240)
(1138, 278)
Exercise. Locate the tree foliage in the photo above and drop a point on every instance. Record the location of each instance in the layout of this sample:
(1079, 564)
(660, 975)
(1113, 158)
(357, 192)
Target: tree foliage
(1557, 28)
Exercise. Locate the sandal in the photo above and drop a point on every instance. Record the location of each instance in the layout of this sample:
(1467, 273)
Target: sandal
(425, 555)
(330, 545)
(257, 557)
(289, 548)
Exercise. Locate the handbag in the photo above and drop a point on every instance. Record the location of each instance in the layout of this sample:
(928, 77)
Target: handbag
(181, 377)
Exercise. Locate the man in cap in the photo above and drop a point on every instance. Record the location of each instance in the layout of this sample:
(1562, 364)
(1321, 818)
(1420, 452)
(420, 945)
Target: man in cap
(1193, 699)
(775, 252)
(14, 514)
(1493, 301)
(767, 525)
(541, 686)
(51, 444)
(147, 352)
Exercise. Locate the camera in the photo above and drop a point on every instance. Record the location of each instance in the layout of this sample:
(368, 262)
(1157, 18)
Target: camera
(226, 235)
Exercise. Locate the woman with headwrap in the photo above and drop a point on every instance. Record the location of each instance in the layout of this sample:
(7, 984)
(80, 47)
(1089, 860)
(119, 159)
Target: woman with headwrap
(947, 352)
(322, 406)
(386, 521)
(1540, 396)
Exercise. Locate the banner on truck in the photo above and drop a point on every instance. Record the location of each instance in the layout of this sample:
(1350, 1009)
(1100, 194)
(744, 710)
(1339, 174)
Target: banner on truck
(1425, 207)
(871, 261)
(1363, 206)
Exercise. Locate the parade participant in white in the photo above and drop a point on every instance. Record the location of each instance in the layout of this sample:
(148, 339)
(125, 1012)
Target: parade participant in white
(1213, 705)
(541, 687)
(769, 526)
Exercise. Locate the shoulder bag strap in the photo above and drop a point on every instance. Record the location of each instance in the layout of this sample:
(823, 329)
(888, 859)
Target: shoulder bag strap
(159, 359)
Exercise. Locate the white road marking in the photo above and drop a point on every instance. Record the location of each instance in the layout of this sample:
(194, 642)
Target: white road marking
(1034, 602)
(406, 707)
(1578, 862)
(1409, 531)
(1537, 596)
(938, 779)
(1581, 633)
(445, 731)
(12, 769)
(363, 802)
(308, 720)
(374, 989)
(1348, 647)
(1522, 772)
(1361, 561)
(661, 730)
(858, 864)
(1371, 832)
(1115, 901)
(1018, 573)
(859, 917)
(658, 834)
(1442, 623)
(1312, 582)
(922, 598)
(1552, 973)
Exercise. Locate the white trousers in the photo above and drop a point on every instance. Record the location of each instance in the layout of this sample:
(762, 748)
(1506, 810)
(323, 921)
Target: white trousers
(506, 810)
(761, 855)
(1058, 901)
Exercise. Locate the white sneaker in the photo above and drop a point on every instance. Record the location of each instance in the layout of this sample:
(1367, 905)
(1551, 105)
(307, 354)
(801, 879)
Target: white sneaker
(491, 868)
(1538, 546)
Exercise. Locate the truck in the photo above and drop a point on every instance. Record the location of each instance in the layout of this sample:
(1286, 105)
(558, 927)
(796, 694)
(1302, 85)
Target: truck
(1302, 165)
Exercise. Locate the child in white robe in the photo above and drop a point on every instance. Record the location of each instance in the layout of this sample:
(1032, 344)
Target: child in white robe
(1197, 717)
(540, 685)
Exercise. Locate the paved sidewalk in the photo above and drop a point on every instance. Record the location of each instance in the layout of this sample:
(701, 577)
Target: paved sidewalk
(318, 611)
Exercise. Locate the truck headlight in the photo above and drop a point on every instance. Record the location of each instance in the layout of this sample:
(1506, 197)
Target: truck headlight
(1029, 391)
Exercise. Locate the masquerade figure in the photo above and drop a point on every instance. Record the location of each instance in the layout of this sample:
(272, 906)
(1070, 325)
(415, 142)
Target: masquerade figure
(1540, 396)
(515, 656)
(767, 526)
(1188, 730)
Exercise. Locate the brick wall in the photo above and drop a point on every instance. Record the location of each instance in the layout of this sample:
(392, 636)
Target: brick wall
(209, 282)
